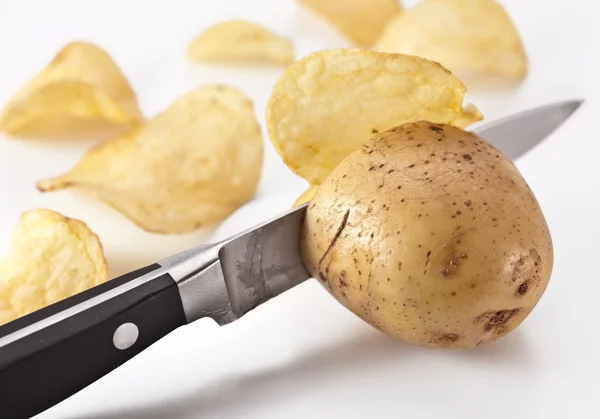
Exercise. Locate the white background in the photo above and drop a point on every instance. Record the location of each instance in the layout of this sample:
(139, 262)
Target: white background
(303, 355)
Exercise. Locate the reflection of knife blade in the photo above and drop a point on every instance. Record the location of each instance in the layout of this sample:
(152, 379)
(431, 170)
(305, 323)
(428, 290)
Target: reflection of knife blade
(53, 353)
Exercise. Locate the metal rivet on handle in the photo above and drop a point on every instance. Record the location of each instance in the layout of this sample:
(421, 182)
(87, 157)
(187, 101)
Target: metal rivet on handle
(125, 336)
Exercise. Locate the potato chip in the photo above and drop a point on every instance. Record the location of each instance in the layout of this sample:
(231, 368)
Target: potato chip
(82, 83)
(466, 36)
(50, 257)
(327, 104)
(360, 20)
(306, 196)
(242, 42)
(189, 167)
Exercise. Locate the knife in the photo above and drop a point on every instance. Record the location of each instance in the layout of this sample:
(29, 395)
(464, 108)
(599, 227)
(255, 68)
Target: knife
(517, 134)
(53, 353)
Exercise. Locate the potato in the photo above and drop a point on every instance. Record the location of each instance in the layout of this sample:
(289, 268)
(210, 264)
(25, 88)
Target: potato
(431, 235)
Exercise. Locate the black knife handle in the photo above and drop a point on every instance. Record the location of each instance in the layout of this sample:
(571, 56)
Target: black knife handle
(47, 366)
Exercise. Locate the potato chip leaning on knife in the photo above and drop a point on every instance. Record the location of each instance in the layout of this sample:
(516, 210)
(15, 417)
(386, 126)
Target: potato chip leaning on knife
(327, 104)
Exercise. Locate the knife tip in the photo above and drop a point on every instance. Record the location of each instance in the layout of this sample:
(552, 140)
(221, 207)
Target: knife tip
(563, 109)
(573, 105)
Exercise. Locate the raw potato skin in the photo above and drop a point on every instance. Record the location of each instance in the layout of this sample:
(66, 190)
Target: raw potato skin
(431, 235)
(360, 20)
(50, 257)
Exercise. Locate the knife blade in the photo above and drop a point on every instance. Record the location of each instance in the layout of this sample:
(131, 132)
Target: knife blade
(516, 134)
(53, 353)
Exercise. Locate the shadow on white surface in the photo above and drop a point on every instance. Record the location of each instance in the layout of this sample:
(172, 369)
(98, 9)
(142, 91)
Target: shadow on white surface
(357, 358)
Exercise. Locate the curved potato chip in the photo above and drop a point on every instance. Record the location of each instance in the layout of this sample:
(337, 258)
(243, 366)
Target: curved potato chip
(327, 104)
(306, 196)
(50, 257)
(82, 82)
(471, 36)
(188, 167)
(360, 20)
(241, 41)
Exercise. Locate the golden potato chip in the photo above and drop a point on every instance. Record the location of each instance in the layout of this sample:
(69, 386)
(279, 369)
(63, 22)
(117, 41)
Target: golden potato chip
(189, 167)
(327, 104)
(360, 20)
(50, 257)
(470, 36)
(241, 41)
(83, 84)
(306, 196)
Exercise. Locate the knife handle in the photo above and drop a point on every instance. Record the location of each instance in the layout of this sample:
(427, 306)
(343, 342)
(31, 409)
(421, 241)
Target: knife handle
(53, 353)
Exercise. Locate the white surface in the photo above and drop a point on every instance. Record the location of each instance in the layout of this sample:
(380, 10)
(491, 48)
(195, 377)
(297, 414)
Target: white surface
(303, 355)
